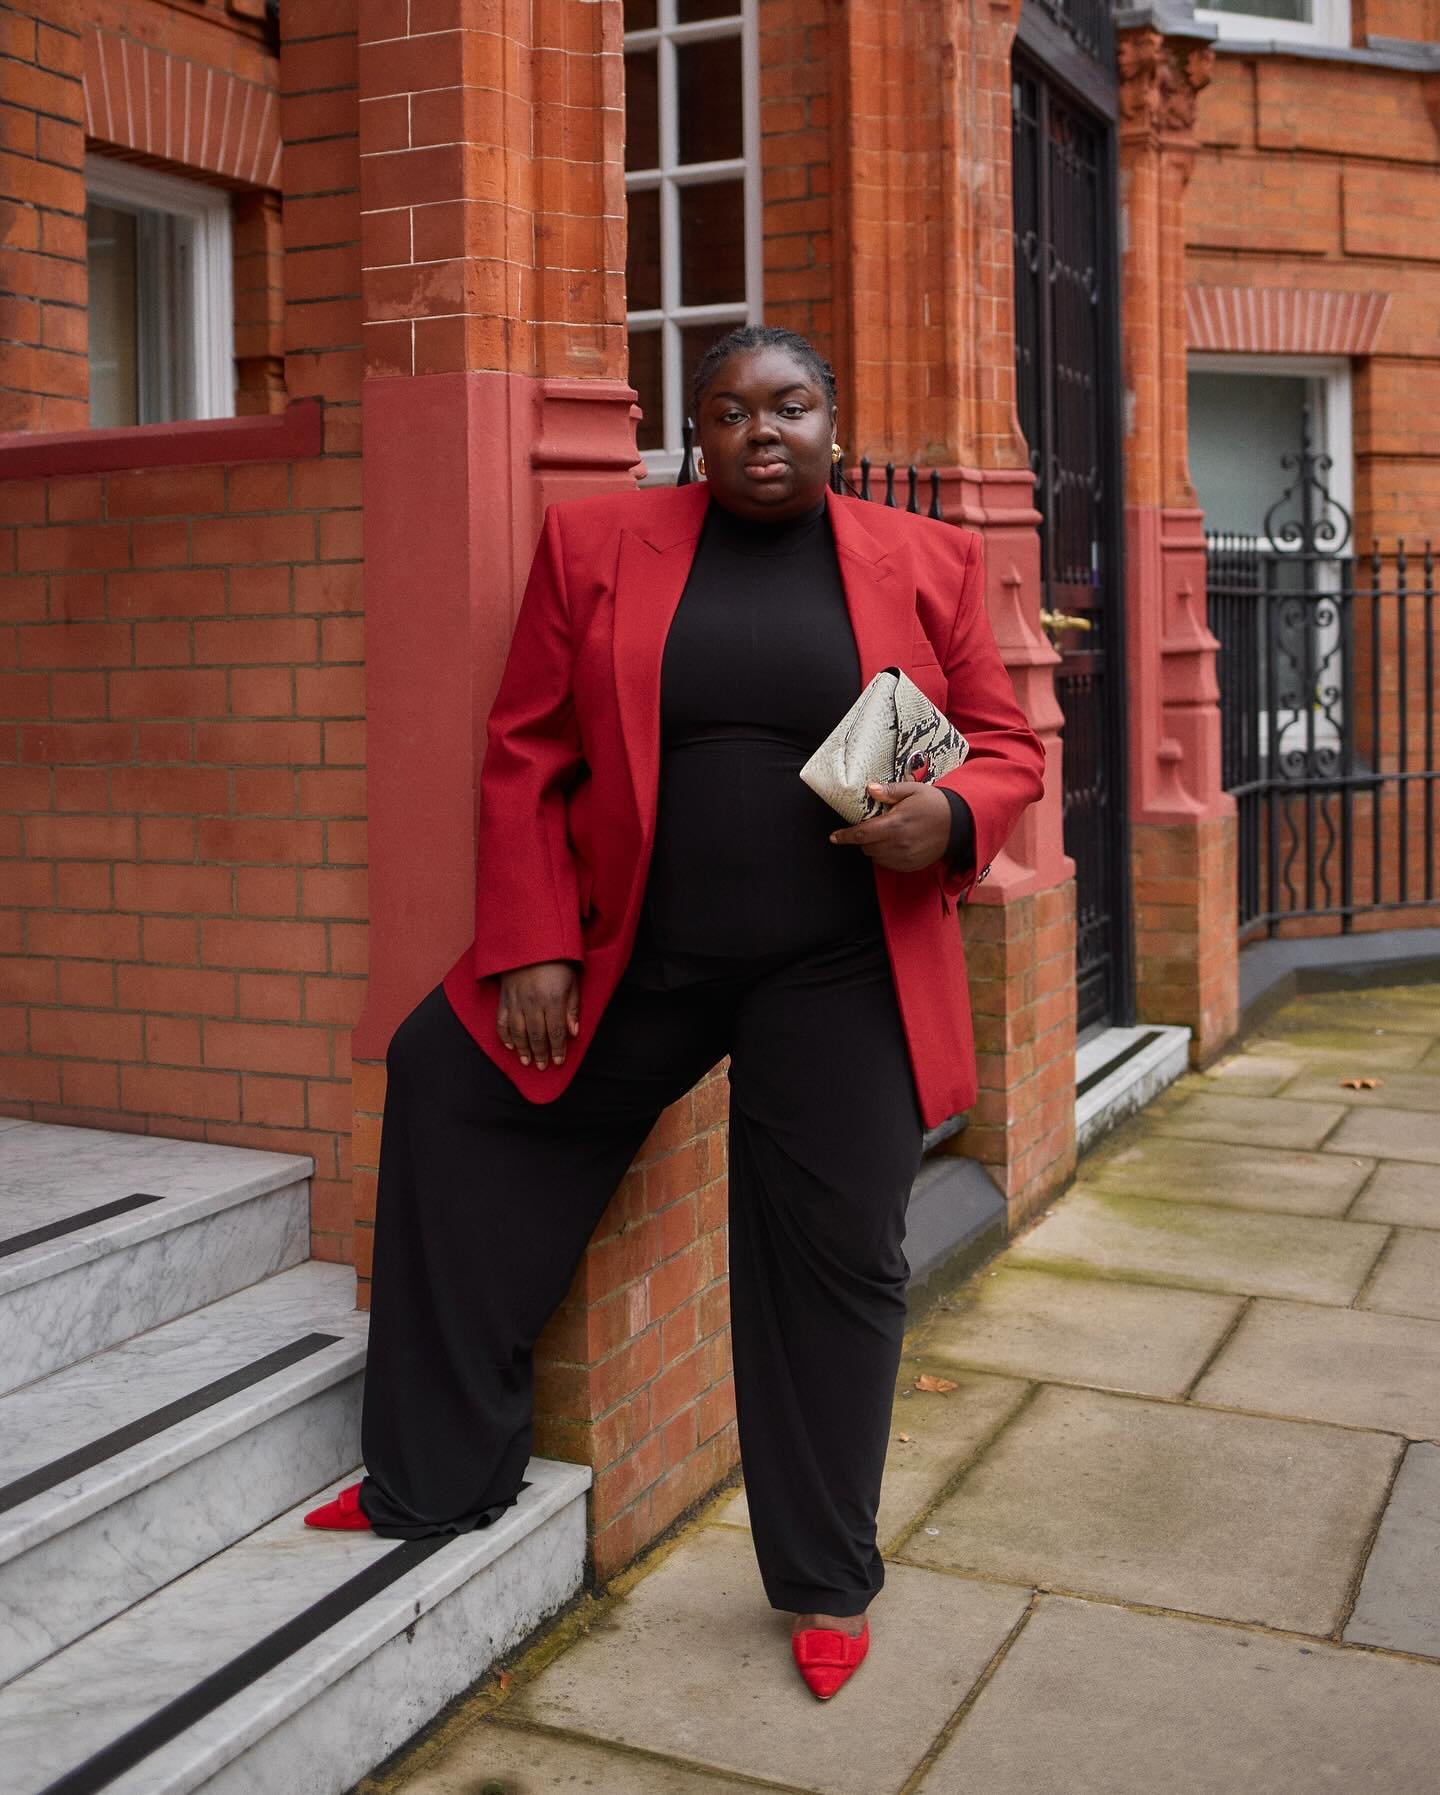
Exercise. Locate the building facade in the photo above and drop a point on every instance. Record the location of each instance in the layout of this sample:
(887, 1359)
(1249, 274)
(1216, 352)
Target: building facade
(306, 314)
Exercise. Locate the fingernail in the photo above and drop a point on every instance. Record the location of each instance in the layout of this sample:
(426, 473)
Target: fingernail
(524, 1059)
(559, 1059)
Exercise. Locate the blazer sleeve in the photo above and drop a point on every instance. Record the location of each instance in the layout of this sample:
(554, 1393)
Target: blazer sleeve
(1005, 768)
(527, 904)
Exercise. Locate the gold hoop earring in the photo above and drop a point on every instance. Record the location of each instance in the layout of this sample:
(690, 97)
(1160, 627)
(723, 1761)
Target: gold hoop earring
(700, 466)
(836, 451)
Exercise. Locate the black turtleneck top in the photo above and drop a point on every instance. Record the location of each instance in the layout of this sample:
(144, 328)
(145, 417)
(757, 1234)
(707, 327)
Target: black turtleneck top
(759, 666)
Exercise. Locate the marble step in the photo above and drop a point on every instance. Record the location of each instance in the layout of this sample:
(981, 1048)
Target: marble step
(103, 1235)
(1119, 1070)
(122, 1472)
(295, 1661)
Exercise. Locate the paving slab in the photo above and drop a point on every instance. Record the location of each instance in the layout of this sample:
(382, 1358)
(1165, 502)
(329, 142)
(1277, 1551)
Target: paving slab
(1179, 1507)
(1251, 1121)
(1407, 1194)
(1252, 1074)
(1350, 1366)
(1393, 1090)
(1093, 1700)
(1399, 1601)
(1388, 1134)
(1053, 1325)
(692, 1663)
(1395, 1009)
(1407, 1279)
(499, 1759)
(1188, 1171)
(1360, 1051)
(1204, 1246)
(944, 1431)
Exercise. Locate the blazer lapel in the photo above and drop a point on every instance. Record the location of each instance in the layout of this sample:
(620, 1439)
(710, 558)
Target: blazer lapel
(653, 565)
(879, 589)
(650, 576)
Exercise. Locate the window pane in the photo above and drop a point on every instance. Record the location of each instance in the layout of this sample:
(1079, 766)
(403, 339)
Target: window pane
(695, 339)
(1299, 12)
(708, 100)
(114, 386)
(642, 111)
(1240, 427)
(687, 11)
(642, 252)
(712, 243)
(639, 15)
(645, 377)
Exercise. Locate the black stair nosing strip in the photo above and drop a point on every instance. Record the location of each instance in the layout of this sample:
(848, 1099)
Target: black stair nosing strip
(1100, 1073)
(167, 1723)
(145, 1427)
(85, 1218)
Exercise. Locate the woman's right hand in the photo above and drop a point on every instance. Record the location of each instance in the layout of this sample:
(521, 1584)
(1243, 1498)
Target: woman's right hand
(539, 1011)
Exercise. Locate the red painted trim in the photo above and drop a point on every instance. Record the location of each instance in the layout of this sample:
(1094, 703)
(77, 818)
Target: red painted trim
(289, 435)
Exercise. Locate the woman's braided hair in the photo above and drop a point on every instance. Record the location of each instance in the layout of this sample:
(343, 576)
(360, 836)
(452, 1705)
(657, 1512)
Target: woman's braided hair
(761, 336)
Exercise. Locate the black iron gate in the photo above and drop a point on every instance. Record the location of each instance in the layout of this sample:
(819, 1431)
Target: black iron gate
(1328, 711)
(1068, 386)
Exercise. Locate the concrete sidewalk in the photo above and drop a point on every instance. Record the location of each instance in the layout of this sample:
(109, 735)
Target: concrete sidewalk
(1177, 1528)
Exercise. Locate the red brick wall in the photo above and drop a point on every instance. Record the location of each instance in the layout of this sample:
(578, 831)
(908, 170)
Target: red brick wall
(797, 149)
(44, 382)
(182, 789)
(182, 762)
(1323, 175)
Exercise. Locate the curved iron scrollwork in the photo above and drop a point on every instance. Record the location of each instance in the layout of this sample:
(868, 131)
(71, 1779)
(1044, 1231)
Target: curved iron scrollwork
(1324, 525)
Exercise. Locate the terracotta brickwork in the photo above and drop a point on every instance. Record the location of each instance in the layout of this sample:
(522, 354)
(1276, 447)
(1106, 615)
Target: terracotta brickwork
(1184, 887)
(1021, 957)
(183, 775)
(44, 381)
(798, 140)
(1318, 176)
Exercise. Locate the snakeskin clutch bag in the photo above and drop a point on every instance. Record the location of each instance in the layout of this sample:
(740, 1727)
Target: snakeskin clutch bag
(891, 732)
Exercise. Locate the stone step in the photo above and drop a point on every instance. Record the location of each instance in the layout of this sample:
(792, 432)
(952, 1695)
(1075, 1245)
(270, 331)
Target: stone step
(122, 1472)
(104, 1235)
(295, 1660)
(1119, 1070)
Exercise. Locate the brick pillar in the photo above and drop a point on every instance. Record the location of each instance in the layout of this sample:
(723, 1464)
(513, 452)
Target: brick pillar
(46, 383)
(494, 360)
(925, 333)
(1182, 822)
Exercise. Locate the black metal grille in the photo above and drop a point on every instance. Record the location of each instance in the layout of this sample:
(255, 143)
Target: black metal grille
(1327, 699)
(1066, 382)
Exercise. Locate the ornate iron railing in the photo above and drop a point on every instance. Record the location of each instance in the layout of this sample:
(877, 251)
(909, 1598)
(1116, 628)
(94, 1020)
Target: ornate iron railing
(1327, 702)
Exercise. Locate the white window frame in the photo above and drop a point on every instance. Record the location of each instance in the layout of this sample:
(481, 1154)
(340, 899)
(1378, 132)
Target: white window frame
(204, 385)
(670, 317)
(1331, 413)
(1328, 392)
(1330, 25)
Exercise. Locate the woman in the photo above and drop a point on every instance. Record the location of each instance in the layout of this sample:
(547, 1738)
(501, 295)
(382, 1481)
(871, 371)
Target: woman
(657, 889)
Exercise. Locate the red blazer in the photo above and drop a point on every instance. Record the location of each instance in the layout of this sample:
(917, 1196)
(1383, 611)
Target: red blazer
(568, 788)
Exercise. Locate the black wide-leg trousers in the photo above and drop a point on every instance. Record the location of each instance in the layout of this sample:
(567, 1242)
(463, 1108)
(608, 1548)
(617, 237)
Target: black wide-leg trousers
(486, 1202)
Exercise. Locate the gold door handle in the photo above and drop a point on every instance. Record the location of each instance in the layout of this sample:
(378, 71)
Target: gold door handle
(1055, 621)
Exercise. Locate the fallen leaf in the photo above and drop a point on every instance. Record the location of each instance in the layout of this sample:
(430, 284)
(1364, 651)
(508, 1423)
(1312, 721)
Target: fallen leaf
(505, 1678)
(1361, 1084)
(904, 1439)
(936, 1385)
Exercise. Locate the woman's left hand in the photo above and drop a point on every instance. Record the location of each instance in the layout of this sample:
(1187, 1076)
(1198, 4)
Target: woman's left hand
(913, 832)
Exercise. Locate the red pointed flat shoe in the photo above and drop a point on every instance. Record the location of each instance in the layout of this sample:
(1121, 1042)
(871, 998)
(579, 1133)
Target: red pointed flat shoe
(827, 1658)
(343, 1514)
